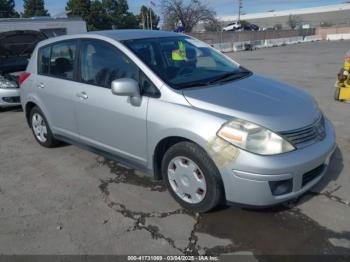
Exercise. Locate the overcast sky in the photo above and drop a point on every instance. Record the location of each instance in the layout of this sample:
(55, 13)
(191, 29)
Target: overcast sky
(222, 7)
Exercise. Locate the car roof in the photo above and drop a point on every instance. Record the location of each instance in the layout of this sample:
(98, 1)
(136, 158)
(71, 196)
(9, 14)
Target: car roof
(117, 35)
(121, 35)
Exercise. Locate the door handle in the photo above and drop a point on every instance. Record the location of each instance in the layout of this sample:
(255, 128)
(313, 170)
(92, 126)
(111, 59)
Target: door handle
(41, 85)
(83, 95)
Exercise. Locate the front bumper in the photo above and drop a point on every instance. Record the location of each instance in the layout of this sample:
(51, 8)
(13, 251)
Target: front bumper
(9, 97)
(247, 179)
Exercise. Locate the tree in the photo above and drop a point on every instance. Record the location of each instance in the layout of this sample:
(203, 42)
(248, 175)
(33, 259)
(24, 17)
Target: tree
(213, 26)
(144, 18)
(98, 17)
(292, 21)
(189, 13)
(116, 7)
(169, 21)
(7, 9)
(34, 8)
(79, 8)
(118, 14)
(105, 14)
(278, 26)
(244, 23)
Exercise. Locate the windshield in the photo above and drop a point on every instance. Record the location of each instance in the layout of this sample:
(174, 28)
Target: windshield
(184, 62)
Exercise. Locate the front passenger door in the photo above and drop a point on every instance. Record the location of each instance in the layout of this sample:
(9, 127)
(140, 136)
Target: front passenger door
(106, 121)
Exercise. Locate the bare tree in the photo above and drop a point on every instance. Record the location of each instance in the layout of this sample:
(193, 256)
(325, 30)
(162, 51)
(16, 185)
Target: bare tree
(278, 26)
(189, 13)
(169, 21)
(213, 26)
(293, 21)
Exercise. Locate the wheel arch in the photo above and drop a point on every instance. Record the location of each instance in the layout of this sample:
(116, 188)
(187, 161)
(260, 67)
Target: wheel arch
(28, 108)
(32, 101)
(162, 146)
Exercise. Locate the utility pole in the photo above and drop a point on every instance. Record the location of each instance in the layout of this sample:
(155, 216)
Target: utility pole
(240, 6)
(150, 17)
(147, 19)
(143, 21)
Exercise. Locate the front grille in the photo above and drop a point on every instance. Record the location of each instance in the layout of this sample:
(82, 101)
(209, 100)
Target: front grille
(311, 175)
(306, 136)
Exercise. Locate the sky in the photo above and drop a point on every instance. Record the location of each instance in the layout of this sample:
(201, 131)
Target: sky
(222, 7)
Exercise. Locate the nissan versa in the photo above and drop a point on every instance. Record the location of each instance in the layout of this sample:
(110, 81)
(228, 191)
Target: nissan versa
(174, 107)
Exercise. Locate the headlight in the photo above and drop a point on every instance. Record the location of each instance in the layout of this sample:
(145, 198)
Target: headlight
(7, 84)
(254, 138)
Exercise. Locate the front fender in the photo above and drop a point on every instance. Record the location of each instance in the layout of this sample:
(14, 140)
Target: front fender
(178, 120)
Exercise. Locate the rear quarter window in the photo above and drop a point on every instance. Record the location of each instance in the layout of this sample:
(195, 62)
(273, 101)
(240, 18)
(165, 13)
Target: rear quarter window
(44, 60)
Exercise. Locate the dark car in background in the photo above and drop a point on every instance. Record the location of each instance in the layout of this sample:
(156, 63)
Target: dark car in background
(249, 27)
(16, 48)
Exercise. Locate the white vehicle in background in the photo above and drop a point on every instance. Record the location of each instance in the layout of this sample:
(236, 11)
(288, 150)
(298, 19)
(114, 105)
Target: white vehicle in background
(233, 26)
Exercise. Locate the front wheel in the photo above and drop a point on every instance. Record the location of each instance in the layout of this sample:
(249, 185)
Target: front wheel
(192, 177)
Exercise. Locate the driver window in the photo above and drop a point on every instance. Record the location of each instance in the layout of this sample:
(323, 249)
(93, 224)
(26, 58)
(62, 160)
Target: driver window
(101, 63)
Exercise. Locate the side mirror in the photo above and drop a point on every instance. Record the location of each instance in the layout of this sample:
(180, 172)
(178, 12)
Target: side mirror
(126, 87)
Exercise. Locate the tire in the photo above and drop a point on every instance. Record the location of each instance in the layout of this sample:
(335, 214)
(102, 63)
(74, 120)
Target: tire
(45, 139)
(192, 157)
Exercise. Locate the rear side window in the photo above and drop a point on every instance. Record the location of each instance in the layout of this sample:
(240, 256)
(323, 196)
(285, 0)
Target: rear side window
(101, 63)
(62, 60)
(44, 60)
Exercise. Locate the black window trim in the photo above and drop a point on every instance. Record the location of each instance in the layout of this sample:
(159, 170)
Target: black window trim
(74, 64)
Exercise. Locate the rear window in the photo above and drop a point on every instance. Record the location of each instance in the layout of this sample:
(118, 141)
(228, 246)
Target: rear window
(58, 60)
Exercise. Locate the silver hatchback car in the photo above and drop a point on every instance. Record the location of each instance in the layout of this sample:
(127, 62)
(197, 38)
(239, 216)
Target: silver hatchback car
(176, 108)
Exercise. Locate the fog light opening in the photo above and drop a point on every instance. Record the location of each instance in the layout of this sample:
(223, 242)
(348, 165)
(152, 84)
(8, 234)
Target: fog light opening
(281, 187)
(12, 99)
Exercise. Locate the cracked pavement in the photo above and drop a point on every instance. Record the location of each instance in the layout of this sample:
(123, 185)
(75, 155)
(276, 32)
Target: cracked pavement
(69, 201)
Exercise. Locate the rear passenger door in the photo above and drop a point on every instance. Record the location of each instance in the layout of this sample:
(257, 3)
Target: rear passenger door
(56, 87)
(106, 121)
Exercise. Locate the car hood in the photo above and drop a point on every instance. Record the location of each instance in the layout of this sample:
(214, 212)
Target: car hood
(266, 102)
(16, 47)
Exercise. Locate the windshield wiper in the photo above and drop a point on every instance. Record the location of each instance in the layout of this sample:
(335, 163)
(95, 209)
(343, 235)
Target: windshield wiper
(221, 79)
(230, 77)
(192, 84)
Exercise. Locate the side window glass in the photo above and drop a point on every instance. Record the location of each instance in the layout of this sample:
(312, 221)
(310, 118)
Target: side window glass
(101, 63)
(62, 59)
(44, 60)
(145, 51)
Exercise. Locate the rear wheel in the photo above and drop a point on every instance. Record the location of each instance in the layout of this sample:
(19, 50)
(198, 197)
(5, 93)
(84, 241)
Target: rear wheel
(192, 177)
(41, 130)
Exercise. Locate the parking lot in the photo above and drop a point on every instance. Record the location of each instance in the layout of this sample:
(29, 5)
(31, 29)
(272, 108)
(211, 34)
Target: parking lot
(70, 201)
